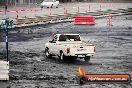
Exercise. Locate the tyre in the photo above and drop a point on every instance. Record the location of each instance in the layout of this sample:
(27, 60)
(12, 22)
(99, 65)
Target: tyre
(52, 6)
(47, 54)
(87, 58)
(62, 56)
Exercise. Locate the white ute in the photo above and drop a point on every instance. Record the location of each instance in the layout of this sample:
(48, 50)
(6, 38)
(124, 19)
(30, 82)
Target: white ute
(50, 3)
(69, 45)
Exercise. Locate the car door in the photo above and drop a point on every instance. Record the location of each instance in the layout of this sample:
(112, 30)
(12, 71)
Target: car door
(53, 45)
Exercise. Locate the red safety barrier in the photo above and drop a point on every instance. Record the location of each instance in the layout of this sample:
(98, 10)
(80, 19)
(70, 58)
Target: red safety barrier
(89, 8)
(2, 11)
(65, 10)
(78, 9)
(18, 10)
(100, 7)
(17, 14)
(50, 12)
(109, 22)
(89, 20)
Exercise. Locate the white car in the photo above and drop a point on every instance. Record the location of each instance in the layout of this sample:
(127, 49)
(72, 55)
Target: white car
(69, 45)
(49, 3)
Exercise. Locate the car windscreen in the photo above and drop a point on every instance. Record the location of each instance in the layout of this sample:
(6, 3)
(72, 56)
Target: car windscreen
(69, 38)
(48, 0)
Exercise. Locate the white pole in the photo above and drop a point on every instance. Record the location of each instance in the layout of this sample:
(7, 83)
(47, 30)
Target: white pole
(29, 3)
(15, 3)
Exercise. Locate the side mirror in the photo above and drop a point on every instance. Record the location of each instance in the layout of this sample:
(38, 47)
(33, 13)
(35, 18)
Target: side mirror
(52, 41)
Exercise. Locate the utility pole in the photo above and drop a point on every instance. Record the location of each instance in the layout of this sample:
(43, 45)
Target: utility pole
(7, 2)
(29, 3)
(0, 35)
(15, 3)
(6, 30)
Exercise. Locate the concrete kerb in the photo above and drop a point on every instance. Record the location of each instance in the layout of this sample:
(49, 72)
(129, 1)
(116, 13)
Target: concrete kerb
(42, 19)
(61, 17)
(52, 18)
(4, 70)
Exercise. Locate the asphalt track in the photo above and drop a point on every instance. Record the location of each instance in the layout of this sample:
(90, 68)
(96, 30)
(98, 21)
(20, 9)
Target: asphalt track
(30, 69)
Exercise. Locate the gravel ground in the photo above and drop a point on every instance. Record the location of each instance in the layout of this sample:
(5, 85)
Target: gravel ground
(30, 69)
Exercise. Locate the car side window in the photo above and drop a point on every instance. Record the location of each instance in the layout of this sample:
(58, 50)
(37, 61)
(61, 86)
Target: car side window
(62, 38)
(69, 38)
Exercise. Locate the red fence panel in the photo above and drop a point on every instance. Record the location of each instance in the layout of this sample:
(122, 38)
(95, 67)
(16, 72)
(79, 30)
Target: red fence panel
(89, 20)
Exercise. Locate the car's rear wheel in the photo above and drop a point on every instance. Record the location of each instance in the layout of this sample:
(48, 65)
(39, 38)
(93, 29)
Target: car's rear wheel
(73, 58)
(47, 54)
(62, 56)
(87, 58)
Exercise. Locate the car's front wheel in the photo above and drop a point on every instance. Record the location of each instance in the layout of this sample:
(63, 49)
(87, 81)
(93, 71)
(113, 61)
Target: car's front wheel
(47, 54)
(52, 6)
(87, 58)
